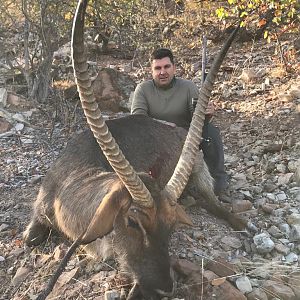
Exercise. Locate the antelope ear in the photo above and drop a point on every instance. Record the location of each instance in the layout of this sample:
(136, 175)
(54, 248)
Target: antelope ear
(182, 216)
(103, 220)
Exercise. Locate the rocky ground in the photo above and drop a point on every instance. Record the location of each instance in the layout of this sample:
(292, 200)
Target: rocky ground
(258, 114)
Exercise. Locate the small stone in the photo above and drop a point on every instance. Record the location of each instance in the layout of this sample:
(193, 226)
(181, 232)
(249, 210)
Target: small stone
(19, 117)
(280, 212)
(26, 141)
(292, 165)
(257, 189)
(231, 160)
(275, 232)
(291, 258)
(285, 179)
(285, 228)
(270, 196)
(270, 187)
(188, 201)
(3, 96)
(20, 276)
(281, 196)
(232, 242)
(261, 73)
(224, 291)
(294, 283)
(297, 171)
(221, 267)
(291, 245)
(111, 295)
(35, 179)
(247, 195)
(19, 127)
(279, 289)
(17, 252)
(257, 294)
(248, 76)
(260, 272)
(284, 241)
(241, 205)
(255, 282)
(128, 67)
(236, 127)
(185, 267)
(269, 208)
(295, 233)
(59, 252)
(293, 219)
(263, 243)
(282, 249)
(260, 202)
(198, 235)
(281, 168)
(295, 91)
(243, 284)
(4, 128)
(3, 227)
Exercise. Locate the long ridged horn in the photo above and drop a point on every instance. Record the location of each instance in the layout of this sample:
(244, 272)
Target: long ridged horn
(183, 170)
(140, 194)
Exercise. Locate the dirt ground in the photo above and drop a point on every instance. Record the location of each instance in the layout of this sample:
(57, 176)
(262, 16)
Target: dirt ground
(261, 109)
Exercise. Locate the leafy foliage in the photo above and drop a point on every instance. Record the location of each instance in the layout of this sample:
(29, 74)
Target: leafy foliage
(282, 14)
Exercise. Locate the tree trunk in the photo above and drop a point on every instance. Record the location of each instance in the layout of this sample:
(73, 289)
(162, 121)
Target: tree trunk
(26, 70)
(41, 81)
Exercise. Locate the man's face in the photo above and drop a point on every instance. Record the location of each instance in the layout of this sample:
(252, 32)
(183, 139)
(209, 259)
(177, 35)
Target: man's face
(163, 71)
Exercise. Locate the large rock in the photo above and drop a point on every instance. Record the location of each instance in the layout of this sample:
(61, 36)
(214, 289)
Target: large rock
(294, 283)
(221, 267)
(295, 233)
(4, 125)
(279, 289)
(184, 267)
(263, 243)
(224, 291)
(243, 284)
(257, 294)
(112, 90)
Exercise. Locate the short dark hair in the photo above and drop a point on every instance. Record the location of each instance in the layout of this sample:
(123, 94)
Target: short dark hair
(162, 53)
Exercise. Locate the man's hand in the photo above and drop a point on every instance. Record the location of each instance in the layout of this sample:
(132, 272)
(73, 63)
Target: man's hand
(210, 110)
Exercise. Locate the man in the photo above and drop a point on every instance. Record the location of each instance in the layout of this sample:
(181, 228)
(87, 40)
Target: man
(169, 98)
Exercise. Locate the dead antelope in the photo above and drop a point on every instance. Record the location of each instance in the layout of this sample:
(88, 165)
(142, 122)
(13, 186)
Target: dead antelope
(104, 198)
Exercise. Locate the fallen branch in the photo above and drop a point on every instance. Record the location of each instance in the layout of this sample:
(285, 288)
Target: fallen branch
(43, 295)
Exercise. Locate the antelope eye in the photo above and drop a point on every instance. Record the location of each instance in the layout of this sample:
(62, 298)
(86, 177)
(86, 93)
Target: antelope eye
(132, 223)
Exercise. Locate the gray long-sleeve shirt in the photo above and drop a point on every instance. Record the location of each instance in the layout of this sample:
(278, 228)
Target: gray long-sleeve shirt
(173, 104)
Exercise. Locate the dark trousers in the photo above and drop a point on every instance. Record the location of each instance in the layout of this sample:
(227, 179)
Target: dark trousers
(212, 148)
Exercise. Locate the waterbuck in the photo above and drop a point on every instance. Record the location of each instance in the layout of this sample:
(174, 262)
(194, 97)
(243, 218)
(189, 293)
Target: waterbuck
(97, 194)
